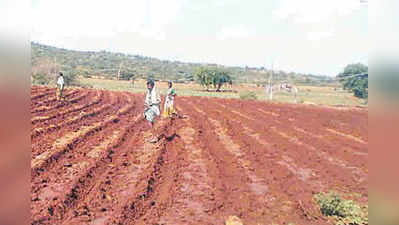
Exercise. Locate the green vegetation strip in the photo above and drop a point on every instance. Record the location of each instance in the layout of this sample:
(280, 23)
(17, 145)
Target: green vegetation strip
(344, 212)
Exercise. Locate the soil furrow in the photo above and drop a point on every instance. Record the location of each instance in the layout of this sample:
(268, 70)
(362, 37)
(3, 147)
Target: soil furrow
(44, 104)
(73, 108)
(244, 190)
(195, 199)
(47, 109)
(40, 94)
(63, 145)
(133, 173)
(47, 140)
(77, 174)
(305, 118)
(82, 115)
(263, 172)
(217, 159)
(327, 143)
(351, 121)
(330, 166)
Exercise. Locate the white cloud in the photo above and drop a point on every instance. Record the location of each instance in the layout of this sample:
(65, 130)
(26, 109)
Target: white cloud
(53, 19)
(319, 35)
(314, 11)
(237, 32)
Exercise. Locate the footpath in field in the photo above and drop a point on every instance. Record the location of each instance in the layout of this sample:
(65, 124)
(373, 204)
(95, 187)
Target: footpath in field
(91, 161)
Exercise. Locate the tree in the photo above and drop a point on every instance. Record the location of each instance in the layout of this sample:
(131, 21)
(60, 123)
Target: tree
(203, 77)
(355, 79)
(208, 77)
(126, 75)
(221, 78)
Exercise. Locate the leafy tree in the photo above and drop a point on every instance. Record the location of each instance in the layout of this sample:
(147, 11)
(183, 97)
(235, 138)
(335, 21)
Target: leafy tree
(126, 75)
(202, 75)
(220, 78)
(355, 79)
(208, 77)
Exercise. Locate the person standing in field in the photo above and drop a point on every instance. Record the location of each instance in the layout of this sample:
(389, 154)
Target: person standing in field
(60, 86)
(152, 103)
(169, 101)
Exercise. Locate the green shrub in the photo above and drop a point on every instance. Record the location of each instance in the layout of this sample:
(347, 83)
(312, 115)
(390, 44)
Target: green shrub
(352, 79)
(248, 95)
(41, 79)
(345, 212)
(70, 78)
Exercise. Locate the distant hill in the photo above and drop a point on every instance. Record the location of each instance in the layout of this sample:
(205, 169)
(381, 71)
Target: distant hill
(47, 59)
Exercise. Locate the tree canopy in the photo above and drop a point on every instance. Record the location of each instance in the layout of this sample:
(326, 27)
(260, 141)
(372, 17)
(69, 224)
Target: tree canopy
(355, 78)
(208, 77)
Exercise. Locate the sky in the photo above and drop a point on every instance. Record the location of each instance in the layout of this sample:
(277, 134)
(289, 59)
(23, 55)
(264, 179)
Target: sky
(307, 36)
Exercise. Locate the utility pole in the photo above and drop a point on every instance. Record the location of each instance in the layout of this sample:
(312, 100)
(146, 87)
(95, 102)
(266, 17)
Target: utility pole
(49, 67)
(271, 83)
(119, 71)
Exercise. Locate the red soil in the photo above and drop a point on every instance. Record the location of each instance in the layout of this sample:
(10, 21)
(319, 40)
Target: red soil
(91, 163)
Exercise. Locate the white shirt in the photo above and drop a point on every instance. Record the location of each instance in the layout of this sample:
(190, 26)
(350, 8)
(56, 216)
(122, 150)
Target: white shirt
(152, 98)
(60, 80)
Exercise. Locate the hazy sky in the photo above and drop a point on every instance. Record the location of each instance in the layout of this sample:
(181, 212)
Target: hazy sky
(310, 36)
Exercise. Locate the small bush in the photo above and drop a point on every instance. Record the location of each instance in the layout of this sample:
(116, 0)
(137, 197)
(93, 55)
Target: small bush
(345, 212)
(248, 96)
(41, 79)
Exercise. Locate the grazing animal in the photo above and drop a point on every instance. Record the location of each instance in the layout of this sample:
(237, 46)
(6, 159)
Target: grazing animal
(283, 87)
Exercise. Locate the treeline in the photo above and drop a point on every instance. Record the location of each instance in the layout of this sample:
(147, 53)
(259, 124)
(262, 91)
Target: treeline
(46, 60)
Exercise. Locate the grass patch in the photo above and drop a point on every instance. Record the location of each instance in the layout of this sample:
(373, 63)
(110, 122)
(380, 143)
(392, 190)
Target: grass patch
(344, 212)
(250, 95)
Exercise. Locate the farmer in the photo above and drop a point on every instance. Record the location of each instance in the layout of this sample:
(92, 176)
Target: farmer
(169, 100)
(60, 86)
(152, 102)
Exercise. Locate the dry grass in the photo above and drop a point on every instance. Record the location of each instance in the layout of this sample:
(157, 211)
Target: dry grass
(307, 94)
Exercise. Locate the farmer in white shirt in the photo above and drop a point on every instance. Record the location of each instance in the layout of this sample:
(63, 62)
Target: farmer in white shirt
(60, 85)
(152, 103)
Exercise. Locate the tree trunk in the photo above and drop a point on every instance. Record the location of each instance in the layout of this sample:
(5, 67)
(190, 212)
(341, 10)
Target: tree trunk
(219, 86)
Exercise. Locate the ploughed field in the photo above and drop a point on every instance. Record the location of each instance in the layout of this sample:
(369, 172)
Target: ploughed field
(91, 162)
